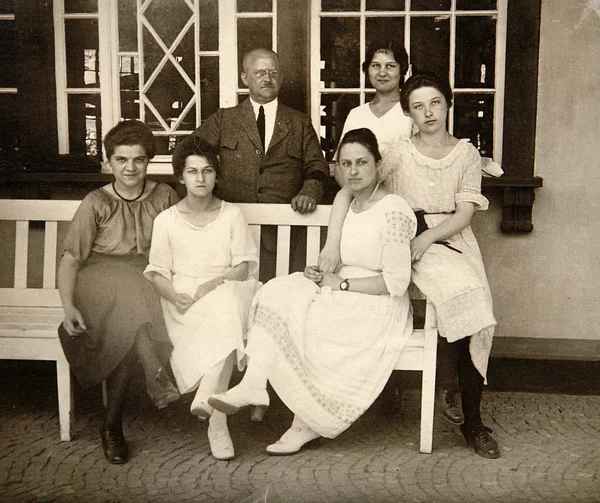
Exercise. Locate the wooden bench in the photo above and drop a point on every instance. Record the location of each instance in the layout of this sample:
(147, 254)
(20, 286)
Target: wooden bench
(29, 317)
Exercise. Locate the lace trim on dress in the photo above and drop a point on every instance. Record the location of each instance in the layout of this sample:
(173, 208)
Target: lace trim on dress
(400, 227)
(460, 149)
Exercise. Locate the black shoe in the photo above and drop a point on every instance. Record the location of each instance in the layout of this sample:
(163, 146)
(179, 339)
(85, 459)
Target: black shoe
(449, 403)
(483, 443)
(161, 390)
(114, 446)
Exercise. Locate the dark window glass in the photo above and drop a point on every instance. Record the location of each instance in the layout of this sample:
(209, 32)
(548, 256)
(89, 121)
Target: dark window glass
(253, 33)
(128, 25)
(476, 4)
(340, 5)
(7, 6)
(475, 51)
(129, 83)
(168, 18)
(209, 86)
(383, 28)
(340, 52)
(209, 25)
(85, 132)
(80, 6)
(474, 119)
(165, 144)
(82, 52)
(389, 5)
(8, 54)
(254, 5)
(9, 125)
(430, 45)
(417, 5)
(335, 108)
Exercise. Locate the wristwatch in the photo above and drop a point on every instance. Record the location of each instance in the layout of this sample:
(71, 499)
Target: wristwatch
(344, 285)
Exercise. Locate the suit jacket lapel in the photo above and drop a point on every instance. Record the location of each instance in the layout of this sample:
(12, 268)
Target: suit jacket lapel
(248, 123)
(282, 128)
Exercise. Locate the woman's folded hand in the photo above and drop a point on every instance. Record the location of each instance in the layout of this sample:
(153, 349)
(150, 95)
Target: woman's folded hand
(182, 302)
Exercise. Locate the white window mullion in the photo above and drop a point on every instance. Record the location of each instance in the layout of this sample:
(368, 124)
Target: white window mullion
(315, 64)
(363, 43)
(452, 61)
(501, 28)
(274, 25)
(60, 53)
(228, 70)
(108, 67)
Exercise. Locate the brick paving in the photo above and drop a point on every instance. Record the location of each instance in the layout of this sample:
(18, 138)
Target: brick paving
(550, 445)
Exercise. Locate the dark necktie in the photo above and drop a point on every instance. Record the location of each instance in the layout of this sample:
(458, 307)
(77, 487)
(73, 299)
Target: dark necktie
(260, 122)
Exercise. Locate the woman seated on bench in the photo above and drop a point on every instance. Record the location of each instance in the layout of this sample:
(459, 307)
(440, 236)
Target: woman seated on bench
(201, 255)
(112, 312)
(328, 342)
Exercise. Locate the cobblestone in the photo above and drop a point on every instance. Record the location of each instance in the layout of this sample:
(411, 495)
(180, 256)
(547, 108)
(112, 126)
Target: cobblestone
(550, 445)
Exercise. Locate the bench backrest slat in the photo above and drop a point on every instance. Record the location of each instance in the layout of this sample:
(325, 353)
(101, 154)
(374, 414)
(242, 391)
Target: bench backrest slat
(21, 248)
(283, 250)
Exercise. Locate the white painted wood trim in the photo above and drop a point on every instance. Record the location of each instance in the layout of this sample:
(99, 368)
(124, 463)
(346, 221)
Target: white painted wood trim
(283, 250)
(228, 66)
(60, 70)
(21, 253)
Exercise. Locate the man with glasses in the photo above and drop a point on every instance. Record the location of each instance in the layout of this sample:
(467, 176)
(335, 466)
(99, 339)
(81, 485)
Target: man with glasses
(269, 153)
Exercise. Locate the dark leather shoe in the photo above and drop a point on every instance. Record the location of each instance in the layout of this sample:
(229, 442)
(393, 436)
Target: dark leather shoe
(114, 446)
(481, 440)
(161, 390)
(449, 403)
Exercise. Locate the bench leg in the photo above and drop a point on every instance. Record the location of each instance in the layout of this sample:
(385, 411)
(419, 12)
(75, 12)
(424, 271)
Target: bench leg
(65, 399)
(428, 385)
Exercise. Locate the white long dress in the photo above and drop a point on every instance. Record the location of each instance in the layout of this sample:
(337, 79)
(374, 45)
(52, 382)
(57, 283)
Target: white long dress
(334, 351)
(188, 256)
(388, 129)
(455, 282)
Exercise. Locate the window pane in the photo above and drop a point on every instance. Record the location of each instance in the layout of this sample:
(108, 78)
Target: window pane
(129, 85)
(476, 4)
(430, 45)
(254, 5)
(253, 33)
(74, 6)
(390, 5)
(128, 25)
(340, 5)
(168, 18)
(164, 144)
(85, 131)
(209, 25)
(334, 110)
(82, 52)
(378, 29)
(209, 86)
(340, 52)
(8, 54)
(9, 125)
(474, 119)
(475, 51)
(7, 7)
(430, 5)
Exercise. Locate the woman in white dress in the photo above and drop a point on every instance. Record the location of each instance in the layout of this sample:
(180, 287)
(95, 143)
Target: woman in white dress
(328, 342)
(201, 257)
(385, 65)
(440, 177)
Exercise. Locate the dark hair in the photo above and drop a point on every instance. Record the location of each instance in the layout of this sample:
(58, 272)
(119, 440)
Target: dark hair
(130, 132)
(424, 80)
(194, 145)
(388, 45)
(364, 137)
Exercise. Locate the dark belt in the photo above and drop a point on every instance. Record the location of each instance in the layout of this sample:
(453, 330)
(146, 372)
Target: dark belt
(422, 227)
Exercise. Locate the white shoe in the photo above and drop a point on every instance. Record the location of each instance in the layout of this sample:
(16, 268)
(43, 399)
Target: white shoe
(200, 407)
(237, 398)
(292, 441)
(221, 445)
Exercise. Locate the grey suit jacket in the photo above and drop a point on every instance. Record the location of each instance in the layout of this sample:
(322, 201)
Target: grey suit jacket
(293, 164)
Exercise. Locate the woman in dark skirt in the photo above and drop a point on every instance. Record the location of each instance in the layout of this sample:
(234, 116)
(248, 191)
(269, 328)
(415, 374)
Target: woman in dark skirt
(113, 317)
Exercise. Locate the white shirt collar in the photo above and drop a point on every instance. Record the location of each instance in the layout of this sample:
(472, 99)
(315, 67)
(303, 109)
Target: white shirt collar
(270, 108)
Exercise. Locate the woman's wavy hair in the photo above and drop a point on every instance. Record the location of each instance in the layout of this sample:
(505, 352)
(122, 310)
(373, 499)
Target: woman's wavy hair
(424, 80)
(391, 45)
(130, 132)
(194, 145)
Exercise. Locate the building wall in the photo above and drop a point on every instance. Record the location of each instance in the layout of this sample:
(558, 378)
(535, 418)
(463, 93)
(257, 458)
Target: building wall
(547, 284)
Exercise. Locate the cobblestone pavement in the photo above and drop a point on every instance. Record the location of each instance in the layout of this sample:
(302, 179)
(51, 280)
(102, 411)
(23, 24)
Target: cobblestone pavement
(550, 453)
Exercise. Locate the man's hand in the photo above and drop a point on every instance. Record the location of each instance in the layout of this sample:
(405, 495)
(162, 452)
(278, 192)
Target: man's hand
(73, 323)
(182, 302)
(304, 204)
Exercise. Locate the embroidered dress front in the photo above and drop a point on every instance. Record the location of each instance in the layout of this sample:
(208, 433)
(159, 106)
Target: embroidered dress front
(336, 350)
